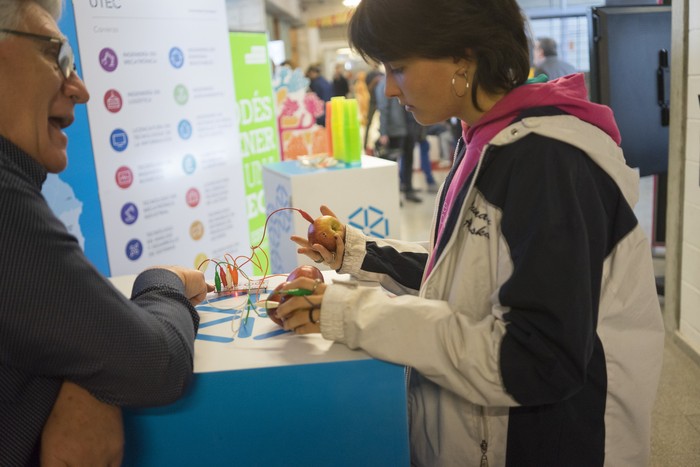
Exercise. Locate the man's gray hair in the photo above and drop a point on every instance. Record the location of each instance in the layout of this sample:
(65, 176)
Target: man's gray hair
(11, 11)
(548, 46)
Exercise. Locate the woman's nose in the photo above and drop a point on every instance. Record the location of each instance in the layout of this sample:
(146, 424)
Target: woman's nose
(391, 89)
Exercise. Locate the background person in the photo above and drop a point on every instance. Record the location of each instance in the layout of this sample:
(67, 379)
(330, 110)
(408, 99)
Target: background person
(321, 87)
(396, 134)
(547, 61)
(341, 87)
(420, 136)
(530, 320)
(361, 93)
(73, 349)
(447, 141)
(372, 78)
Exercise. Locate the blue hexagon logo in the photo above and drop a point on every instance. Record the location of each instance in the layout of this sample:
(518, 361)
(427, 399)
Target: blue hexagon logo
(371, 221)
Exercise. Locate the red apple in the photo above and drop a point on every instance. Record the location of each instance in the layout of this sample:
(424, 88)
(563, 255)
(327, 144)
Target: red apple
(312, 272)
(323, 231)
(277, 297)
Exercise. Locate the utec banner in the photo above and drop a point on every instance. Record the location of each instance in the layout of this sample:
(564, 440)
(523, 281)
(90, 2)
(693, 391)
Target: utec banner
(165, 159)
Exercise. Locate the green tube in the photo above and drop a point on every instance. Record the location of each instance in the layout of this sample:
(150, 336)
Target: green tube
(353, 145)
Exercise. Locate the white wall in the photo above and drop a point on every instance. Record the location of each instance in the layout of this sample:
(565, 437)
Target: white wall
(690, 273)
(315, 49)
(246, 15)
(290, 8)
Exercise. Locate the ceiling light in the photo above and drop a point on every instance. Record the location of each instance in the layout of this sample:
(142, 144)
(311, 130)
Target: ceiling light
(351, 3)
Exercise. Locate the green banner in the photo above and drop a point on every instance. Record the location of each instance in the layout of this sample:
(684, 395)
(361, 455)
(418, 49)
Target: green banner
(252, 77)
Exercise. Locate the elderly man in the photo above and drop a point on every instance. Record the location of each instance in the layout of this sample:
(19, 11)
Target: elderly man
(546, 59)
(72, 348)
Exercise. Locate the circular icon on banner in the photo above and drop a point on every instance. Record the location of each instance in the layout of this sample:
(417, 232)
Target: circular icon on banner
(134, 249)
(196, 230)
(192, 197)
(184, 129)
(130, 213)
(113, 101)
(177, 58)
(181, 94)
(124, 177)
(119, 140)
(189, 164)
(108, 59)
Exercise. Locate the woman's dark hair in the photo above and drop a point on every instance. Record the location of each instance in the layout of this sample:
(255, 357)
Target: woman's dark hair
(494, 30)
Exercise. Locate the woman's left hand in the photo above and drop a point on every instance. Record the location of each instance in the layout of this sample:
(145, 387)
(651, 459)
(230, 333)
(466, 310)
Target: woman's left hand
(302, 314)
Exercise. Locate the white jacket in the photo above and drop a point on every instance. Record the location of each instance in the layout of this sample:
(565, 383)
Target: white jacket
(537, 339)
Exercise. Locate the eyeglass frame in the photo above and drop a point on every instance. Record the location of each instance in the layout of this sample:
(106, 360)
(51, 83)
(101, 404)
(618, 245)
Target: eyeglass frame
(65, 51)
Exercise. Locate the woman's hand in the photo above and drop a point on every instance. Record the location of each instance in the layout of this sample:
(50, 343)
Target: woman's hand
(318, 253)
(302, 314)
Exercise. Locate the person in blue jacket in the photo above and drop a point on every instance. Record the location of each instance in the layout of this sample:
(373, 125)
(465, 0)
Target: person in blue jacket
(321, 87)
(529, 320)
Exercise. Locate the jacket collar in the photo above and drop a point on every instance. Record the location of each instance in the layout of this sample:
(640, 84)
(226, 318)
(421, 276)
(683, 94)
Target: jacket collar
(26, 164)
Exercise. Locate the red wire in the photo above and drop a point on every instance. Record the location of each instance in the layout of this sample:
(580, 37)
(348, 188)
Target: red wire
(253, 259)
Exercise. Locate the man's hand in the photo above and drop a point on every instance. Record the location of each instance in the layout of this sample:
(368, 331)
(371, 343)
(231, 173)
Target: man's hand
(196, 287)
(82, 431)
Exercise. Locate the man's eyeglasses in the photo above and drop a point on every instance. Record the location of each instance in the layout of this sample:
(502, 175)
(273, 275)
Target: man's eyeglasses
(64, 58)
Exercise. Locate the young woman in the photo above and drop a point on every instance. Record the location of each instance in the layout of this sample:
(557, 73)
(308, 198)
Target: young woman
(530, 320)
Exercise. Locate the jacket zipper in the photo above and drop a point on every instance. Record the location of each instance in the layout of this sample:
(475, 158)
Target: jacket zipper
(484, 445)
(407, 375)
(484, 442)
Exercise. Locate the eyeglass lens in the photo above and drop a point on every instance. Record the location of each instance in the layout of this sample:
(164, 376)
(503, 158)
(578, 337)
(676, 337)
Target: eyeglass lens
(66, 59)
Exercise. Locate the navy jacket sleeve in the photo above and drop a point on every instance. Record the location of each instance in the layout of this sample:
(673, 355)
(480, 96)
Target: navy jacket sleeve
(62, 320)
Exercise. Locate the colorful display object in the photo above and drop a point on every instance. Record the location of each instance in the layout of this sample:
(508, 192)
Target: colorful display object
(344, 123)
(297, 111)
(337, 125)
(353, 144)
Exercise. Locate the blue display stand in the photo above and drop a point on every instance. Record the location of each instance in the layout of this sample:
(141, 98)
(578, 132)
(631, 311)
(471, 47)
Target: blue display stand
(340, 414)
(270, 398)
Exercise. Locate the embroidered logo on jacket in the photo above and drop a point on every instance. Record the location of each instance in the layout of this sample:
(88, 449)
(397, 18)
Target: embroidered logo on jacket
(478, 222)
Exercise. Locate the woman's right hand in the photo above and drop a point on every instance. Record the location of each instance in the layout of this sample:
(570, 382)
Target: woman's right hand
(317, 252)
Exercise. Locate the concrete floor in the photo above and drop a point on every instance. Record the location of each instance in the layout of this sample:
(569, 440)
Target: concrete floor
(676, 418)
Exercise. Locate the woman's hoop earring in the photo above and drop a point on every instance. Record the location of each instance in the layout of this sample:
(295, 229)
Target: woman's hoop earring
(454, 88)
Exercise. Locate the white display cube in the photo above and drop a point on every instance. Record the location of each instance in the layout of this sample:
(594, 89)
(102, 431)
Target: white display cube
(366, 197)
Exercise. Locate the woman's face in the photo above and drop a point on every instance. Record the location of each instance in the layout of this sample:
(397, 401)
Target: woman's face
(424, 86)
